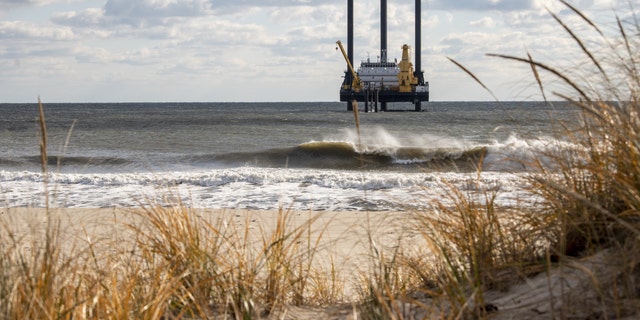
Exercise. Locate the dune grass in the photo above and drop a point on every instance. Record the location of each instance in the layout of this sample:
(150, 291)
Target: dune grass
(596, 196)
(174, 262)
(226, 266)
(590, 197)
(169, 261)
(591, 192)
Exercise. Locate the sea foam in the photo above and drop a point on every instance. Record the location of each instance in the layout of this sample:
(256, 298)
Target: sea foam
(256, 188)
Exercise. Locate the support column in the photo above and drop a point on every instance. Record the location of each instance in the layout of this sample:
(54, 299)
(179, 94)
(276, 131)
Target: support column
(350, 30)
(366, 100)
(418, 43)
(348, 76)
(418, 49)
(383, 42)
(383, 30)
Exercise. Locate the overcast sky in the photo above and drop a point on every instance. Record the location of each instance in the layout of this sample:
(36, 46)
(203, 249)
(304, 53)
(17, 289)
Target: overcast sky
(268, 50)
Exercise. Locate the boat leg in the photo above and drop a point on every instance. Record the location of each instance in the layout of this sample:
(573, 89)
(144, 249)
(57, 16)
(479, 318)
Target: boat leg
(366, 101)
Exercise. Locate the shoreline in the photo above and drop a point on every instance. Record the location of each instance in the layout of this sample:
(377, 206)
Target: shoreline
(259, 189)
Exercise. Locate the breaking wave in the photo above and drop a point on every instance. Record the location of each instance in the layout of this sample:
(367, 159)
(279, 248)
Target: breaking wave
(374, 149)
(348, 156)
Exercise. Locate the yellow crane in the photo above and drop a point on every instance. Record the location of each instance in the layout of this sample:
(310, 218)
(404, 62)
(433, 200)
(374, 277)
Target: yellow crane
(356, 84)
(406, 80)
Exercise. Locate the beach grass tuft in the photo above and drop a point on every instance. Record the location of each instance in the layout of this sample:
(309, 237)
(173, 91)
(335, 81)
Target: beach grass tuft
(227, 265)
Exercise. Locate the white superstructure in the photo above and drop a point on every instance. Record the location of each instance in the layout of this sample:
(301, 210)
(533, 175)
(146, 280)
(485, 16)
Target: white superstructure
(378, 75)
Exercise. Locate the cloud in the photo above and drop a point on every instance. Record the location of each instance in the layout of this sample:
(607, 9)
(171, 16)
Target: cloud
(151, 47)
(13, 4)
(28, 31)
(134, 13)
(10, 4)
(482, 5)
(271, 3)
(308, 14)
(484, 22)
(156, 8)
(225, 7)
(87, 17)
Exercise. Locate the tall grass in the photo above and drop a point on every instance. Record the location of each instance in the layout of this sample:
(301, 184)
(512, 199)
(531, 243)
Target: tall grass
(595, 197)
(175, 263)
(596, 192)
(39, 280)
(385, 285)
(228, 266)
(469, 245)
(591, 193)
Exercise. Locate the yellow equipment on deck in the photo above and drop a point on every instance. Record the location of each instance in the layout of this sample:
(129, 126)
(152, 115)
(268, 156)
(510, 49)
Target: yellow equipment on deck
(356, 84)
(406, 79)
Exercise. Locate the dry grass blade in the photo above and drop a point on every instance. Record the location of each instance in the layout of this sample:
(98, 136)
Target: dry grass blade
(545, 67)
(472, 75)
(581, 44)
(63, 149)
(288, 264)
(44, 158)
(475, 246)
(579, 197)
(582, 15)
(43, 138)
(537, 76)
(632, 67)
(354, 104)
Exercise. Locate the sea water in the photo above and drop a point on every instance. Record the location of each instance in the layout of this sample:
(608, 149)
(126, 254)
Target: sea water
(306, 155)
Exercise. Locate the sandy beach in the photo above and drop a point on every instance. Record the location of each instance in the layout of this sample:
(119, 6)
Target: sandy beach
(343, 235)
(347, 243)
(343, 241)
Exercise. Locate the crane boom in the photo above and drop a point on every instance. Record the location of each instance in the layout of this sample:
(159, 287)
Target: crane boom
(356, 85)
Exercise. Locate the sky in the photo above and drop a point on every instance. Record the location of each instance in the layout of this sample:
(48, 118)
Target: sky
(272, 50)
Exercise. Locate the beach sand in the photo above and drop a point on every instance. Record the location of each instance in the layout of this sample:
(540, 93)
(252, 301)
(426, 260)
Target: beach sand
(343, 235)
(347, 241)
(344, 241)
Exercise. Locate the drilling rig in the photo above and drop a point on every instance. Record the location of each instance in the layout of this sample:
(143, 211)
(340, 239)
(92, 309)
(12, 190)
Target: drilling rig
(378, 82)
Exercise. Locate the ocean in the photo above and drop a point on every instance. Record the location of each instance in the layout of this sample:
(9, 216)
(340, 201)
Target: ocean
(298, 155)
